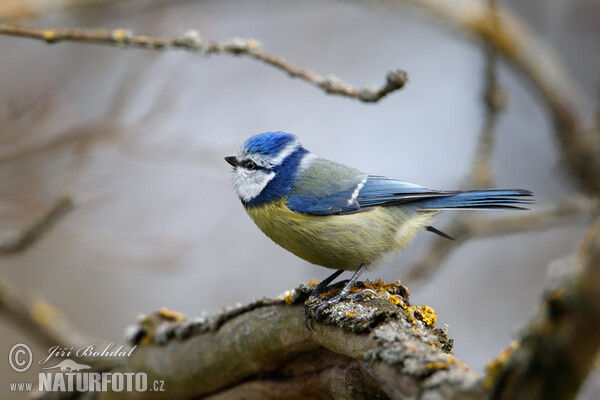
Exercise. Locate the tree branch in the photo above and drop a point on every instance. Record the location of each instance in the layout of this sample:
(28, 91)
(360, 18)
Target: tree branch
(369, 348)
(559, 348)
(193, 41)
(524, 50)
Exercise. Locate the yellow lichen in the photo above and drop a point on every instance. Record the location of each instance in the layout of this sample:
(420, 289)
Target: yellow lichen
(350, 314)
(121, 36)
(49, 35)
(43, 313)
(313, 283)
(421, 313)
(381, 286)
(437, 365)
(171, 315)
(397, 301)
(354, 289)
(428, 315)
(288, 298)
(409, 313)
(146, 340)
(496, 366)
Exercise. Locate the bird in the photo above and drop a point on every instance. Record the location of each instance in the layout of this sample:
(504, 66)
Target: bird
(338, 217)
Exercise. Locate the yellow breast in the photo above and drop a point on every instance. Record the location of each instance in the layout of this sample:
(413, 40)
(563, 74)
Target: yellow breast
(339, 241)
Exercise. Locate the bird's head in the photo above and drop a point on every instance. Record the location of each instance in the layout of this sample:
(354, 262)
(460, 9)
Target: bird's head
(266, 166)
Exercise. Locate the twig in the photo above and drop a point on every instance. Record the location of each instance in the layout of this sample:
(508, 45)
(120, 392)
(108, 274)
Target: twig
(468, 226)
(32, 234)
(193, 41)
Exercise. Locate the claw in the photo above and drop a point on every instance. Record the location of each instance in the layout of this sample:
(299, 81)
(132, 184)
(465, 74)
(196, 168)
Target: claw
(309, 322)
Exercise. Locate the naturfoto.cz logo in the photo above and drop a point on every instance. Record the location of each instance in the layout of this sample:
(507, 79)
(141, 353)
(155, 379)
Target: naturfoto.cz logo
(71, 376)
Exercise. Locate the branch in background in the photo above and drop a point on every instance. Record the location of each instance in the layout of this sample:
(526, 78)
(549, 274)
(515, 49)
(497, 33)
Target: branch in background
(494, 100)
(47, 325)
(193, 41)
(520, 46)
(481, 174)
(559, 348)
(34, 233)
(19, 9)
(468, 226)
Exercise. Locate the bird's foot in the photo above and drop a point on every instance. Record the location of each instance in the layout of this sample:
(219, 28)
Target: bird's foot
(326, 304)
(309, 322)
(324, 287)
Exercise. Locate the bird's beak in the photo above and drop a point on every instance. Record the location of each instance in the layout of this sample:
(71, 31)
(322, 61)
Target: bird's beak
(231, 160)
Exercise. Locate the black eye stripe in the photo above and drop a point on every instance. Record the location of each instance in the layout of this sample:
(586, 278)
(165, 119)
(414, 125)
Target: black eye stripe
(250, 165)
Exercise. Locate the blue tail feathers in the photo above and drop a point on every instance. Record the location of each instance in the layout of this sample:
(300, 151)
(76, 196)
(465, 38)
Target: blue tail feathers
(490, 199)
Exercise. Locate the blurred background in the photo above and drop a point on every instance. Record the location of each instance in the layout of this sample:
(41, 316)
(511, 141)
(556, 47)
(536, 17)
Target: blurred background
(137, 139)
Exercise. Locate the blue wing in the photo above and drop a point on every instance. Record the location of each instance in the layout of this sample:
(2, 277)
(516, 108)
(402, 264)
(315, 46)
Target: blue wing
(379, 191)
(365, 191)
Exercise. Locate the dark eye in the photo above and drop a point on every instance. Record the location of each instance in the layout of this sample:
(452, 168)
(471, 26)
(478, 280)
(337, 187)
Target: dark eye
(249, 165)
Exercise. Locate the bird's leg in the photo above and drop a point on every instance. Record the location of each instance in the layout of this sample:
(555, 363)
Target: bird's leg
(340, 296)
(322, 286)
(335, 286)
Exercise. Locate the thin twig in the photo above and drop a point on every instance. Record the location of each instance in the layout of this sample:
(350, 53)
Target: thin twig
(193, 41)
(32, 234)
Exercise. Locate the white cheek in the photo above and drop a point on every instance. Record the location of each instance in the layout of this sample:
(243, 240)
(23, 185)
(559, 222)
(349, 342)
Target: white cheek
(249, 184)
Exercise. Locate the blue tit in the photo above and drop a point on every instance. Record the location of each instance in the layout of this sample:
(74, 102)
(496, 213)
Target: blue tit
(336, 216)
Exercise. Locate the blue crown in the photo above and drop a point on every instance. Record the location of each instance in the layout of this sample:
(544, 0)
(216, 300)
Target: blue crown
(268, 143)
